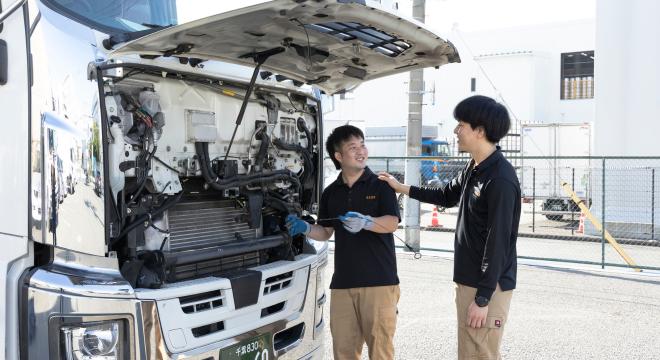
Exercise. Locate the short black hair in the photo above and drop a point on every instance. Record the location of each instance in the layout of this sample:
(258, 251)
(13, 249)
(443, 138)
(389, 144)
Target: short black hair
(338, 136)
(482, 111)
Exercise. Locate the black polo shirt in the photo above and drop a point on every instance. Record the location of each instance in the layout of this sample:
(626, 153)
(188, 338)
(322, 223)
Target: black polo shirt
(366, 258)
(488, 198)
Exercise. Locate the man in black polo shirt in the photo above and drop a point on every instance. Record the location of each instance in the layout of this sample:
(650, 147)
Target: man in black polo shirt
(362, 212)
(487, 193)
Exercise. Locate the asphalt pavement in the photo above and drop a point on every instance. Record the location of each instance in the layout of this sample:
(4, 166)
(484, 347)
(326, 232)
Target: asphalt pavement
(557, 312)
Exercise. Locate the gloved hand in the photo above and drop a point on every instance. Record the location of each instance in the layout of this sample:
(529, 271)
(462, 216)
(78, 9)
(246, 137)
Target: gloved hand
(297, 226)
(354, 221)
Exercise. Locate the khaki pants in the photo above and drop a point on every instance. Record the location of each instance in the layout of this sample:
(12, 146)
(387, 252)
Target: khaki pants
(363, 314)
(483, 343)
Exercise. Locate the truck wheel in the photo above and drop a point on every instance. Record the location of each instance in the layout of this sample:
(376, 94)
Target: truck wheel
(554, 217)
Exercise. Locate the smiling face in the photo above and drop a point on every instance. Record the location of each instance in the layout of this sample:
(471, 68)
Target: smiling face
(353, 154)
(467, 136)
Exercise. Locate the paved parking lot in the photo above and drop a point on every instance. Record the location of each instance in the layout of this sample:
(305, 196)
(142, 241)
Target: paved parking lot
(556, 313)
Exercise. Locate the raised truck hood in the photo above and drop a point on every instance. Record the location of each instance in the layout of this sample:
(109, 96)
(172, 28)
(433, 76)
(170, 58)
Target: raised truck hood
(335, 45)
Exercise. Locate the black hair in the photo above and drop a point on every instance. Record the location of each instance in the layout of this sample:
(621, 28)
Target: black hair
(482, 111)
(338, 136)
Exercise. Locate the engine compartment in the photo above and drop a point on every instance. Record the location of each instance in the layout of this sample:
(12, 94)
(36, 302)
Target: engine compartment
(195, 190)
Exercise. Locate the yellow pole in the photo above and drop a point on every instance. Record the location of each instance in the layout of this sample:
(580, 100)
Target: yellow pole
(567, 188)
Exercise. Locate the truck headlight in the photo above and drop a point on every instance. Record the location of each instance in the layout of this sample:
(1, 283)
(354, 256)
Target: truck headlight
(102, 340)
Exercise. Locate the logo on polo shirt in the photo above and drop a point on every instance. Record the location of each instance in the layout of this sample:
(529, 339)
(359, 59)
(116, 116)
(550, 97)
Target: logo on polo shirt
(477, 190)
(371, 197)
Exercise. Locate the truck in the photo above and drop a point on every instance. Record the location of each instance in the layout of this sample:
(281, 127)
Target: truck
(391, 141)
(181, 149)
(543, 170)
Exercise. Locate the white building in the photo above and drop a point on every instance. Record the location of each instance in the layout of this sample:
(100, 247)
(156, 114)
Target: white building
(628, 86)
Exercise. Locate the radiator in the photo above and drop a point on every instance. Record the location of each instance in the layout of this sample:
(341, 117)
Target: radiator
(206, 224)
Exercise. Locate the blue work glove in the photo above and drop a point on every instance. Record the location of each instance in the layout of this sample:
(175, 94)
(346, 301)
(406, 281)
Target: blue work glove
(354, 221)
(297, 226)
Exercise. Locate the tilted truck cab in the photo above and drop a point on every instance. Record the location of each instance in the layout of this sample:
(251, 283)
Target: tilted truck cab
(150, 167)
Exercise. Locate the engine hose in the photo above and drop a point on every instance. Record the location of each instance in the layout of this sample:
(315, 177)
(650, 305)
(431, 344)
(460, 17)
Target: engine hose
(263, 148)
(282, 206)
(203, 163)
(307, 158)
(302, 126)
(264, 178)
(238, 180)
(144, 217)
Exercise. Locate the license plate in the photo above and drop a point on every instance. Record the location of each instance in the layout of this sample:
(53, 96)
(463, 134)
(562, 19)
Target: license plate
(256, 348)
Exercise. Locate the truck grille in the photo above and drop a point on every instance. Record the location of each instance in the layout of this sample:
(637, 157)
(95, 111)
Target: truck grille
(215, 267)
(199, 225)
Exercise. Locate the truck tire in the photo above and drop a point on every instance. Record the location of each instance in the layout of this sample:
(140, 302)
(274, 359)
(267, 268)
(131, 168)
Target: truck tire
(554, 217)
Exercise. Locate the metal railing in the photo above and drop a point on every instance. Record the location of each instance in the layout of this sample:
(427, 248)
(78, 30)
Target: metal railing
(619, 192)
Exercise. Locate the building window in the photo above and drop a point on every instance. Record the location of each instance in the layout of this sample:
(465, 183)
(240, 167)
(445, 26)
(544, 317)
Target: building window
(577, 75)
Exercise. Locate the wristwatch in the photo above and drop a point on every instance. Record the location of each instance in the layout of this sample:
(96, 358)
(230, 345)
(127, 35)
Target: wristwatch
(481, 301)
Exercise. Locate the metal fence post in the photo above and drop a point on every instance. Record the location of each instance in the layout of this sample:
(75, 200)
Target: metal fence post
(602, 238)
(533, 199)
(569, 202)
(653, 204)
(387, 165)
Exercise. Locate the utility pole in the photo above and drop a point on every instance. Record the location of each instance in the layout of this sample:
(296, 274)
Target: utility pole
(414, 140)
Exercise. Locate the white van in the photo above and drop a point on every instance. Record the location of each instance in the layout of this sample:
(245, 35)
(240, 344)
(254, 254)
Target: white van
(187, 145)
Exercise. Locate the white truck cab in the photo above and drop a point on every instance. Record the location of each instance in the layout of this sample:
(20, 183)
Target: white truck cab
(149, 167)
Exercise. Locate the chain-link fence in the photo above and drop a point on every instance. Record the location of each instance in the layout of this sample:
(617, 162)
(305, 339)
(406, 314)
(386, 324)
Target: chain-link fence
(564, 202)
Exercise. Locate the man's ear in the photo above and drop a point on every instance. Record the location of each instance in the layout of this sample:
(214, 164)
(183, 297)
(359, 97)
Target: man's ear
(338, 156)
(481, 132)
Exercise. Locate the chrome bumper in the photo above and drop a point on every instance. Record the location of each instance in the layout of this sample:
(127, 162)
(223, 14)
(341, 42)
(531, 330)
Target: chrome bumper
(56, 292)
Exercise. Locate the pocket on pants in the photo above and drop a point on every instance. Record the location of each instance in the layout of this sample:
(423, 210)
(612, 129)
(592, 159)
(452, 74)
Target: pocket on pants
(485, 342)
(387, 316)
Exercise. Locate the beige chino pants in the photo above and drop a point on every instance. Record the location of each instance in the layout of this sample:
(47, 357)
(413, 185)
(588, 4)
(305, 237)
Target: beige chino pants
(360, 315)
(483, 343)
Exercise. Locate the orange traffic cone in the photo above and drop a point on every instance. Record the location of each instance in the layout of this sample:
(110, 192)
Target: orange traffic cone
(434, 218)
(581, 226)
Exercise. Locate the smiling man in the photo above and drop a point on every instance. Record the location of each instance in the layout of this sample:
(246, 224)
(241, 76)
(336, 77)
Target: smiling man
(362, 212)
(487, 193)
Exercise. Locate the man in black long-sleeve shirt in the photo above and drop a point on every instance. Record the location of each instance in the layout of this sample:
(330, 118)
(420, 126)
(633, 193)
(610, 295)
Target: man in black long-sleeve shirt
(487, 193)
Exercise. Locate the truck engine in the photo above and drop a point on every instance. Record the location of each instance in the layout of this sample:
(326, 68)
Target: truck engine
(201, 177)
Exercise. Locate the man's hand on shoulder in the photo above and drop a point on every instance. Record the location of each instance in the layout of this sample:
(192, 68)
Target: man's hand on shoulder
(394, 183)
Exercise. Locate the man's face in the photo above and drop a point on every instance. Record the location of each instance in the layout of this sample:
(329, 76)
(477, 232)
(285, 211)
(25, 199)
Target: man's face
(467, 137)
(353, 154)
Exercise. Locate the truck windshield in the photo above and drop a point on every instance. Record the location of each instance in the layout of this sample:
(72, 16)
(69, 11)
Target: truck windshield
(443, 150)
(119, 16)
(435, 149)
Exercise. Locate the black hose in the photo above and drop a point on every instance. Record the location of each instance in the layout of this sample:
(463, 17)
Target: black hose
(263, 148)
(144, 217)
(307, 157)
(203, 163)
(302, 126)
(238, 180)
(282, 206)
(145, 174)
